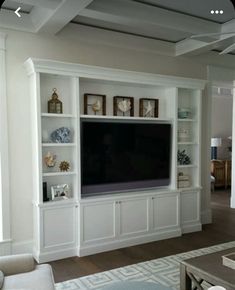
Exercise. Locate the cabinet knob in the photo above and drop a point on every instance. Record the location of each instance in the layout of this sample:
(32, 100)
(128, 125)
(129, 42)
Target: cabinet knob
(76, 206)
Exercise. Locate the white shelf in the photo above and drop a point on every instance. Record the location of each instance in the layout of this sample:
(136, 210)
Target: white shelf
(50, 115)
(107, 117)
(187, 166)
(186, 120)
(47, 174)
(187, 143)
(58, 144)
(191, 188)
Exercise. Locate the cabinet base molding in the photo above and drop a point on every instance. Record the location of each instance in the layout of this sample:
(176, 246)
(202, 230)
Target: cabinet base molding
(191, 227)
(109, 246)
(54, 255)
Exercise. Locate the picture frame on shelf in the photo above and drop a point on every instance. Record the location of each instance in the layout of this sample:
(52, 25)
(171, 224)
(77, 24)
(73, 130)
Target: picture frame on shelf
(59, 191)
(148, 107)
(94, 104)
(123, 106)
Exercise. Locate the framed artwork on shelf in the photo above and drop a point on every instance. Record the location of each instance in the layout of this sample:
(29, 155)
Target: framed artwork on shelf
(148, 107)
(59, 191)
(94, 104)
(123, 106)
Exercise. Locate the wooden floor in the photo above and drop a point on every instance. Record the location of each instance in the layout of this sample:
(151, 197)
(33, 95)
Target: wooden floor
(220, 231)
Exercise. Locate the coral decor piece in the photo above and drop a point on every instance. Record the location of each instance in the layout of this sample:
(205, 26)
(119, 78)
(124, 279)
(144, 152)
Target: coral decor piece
(50, 160)
(61, 135)
(64, 166)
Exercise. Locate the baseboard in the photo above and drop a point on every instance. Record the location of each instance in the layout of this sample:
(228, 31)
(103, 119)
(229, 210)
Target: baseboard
(206, 216)
(22, 247)
(113, 245)
(5, 248)
(55, 255)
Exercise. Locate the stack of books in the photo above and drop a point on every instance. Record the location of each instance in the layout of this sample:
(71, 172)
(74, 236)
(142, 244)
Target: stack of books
(183, 180)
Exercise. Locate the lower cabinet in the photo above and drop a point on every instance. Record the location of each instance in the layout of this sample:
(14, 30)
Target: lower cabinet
(190, 211)
(166, 212)
(59, 227)
(111, 224)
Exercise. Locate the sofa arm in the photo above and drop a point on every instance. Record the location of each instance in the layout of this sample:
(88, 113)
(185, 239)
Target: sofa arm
(16, 264)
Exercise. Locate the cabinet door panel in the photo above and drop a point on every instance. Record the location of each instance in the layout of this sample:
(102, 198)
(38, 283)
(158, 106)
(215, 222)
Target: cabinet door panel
(58, 226)
(133, 217)
(98, 221)
(165, 212)
(189, 207)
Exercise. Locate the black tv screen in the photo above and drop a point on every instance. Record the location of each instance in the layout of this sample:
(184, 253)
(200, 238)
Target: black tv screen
(119, 155)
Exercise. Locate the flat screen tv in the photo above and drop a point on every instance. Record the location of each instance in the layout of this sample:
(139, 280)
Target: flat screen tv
(119, 155)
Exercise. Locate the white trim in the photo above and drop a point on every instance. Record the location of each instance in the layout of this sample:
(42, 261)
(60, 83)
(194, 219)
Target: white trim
(4, 162)
(44, 257)
(108, 246)
(95, 72)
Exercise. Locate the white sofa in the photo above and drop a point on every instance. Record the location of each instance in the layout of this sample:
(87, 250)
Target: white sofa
(20, 272)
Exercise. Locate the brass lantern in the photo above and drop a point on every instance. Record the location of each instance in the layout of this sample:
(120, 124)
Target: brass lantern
(55, 105)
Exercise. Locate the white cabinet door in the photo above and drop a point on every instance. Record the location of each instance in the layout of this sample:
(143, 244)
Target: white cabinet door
(190, 211)
(58, 227)
(165, 212)
(98, 222)
(133, 217)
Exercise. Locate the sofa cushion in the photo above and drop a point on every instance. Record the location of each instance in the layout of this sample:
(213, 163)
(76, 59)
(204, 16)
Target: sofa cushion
(1, 279)
(39, 279)
(15, 264)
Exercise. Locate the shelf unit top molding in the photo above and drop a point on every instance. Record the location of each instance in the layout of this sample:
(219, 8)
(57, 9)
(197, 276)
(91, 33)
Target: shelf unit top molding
(126, 118)
(34, 65)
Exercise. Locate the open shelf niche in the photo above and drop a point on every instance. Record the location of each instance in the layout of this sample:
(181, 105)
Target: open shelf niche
(83, 226)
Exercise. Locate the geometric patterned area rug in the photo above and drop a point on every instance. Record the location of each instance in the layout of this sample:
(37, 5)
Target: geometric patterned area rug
(163, 271)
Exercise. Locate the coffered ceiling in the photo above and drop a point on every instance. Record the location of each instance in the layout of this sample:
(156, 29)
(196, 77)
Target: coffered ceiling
(169, 21)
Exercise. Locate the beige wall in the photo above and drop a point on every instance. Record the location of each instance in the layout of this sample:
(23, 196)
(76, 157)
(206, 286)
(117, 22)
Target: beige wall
(70, 47)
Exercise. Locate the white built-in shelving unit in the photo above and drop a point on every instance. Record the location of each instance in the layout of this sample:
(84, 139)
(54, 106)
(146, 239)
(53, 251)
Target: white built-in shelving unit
(82, 226)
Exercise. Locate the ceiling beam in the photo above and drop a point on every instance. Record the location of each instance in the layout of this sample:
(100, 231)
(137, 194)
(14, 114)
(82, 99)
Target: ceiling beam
(134, 14)
(195, 46)
(52, 21)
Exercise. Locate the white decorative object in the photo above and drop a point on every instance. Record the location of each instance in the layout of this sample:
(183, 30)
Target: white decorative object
(96, 107)
(148, 109)
(124, 106)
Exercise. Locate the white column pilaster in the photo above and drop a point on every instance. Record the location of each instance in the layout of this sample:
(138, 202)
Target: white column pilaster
(5, 230)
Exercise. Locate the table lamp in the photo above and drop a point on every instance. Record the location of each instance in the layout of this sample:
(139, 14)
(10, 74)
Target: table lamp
(215, 142)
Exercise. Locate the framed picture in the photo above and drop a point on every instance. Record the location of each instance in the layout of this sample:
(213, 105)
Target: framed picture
(94, 104)
(59, 191)
(148, 107)
(123, 106)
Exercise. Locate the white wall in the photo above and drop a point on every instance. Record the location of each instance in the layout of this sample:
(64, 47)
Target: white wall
(72, 47)
(221, 123)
